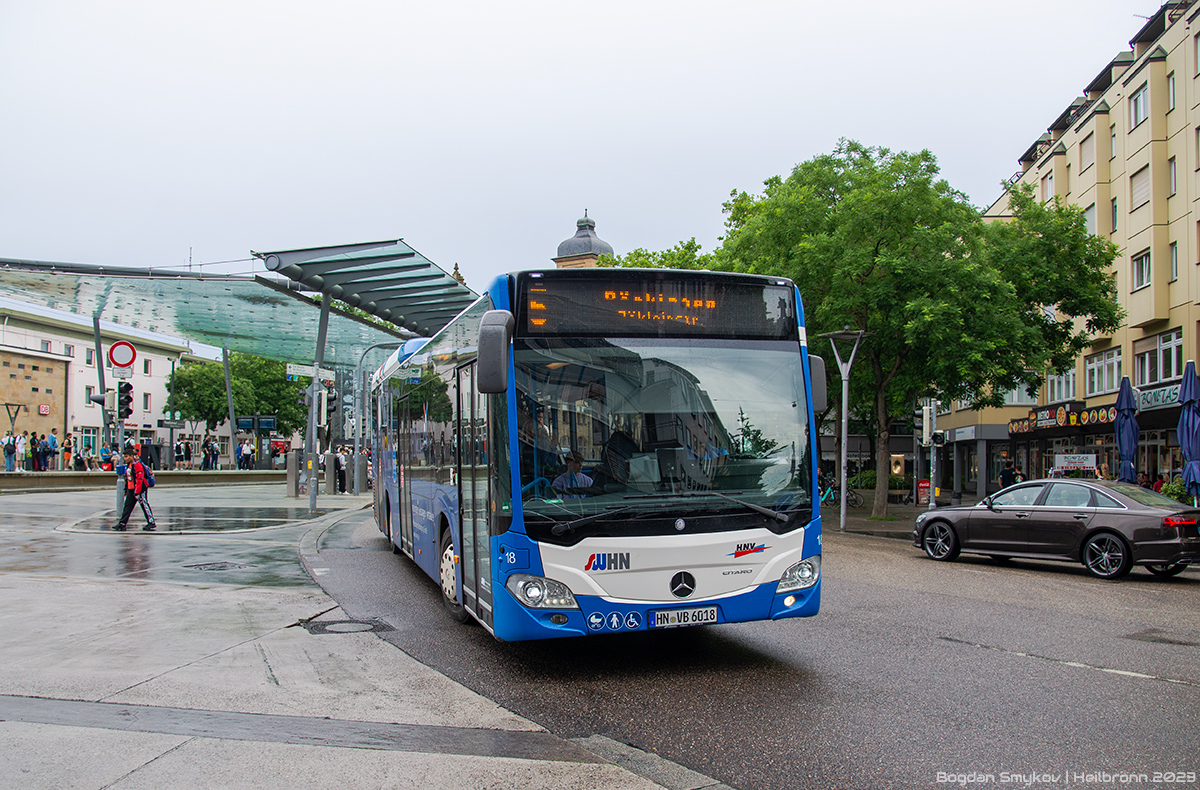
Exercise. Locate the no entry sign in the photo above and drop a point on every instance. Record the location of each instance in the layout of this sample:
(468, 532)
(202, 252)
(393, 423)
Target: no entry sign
(122, 354)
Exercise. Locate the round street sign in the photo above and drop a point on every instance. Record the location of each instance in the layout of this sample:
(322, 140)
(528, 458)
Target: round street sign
(122, 354)
(178, 414)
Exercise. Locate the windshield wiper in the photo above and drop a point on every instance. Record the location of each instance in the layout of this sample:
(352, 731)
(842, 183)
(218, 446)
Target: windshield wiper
(766, 511)
(561, 527)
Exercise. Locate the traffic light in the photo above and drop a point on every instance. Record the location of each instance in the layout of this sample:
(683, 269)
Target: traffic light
(124, 400)
(938, 438)
(926, 424)
(322, 407)
(108, 400)
(331, 406)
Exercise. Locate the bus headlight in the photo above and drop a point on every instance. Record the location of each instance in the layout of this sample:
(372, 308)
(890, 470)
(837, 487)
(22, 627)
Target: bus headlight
(801, 576)
(537, 592)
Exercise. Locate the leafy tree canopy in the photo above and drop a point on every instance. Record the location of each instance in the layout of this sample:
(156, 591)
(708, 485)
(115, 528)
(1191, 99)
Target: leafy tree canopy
(260, 386)
(877, 242)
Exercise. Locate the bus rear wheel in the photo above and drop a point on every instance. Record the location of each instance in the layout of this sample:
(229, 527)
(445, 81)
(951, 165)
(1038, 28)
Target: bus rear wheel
(449, 581)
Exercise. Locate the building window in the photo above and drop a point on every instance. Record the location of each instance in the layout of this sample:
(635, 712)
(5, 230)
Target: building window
(146, 366)
(1141, 270)
(1089, 219)
(1139, 188)
(1112, 151)
(145, 401)
(1139, 106)
(88, 392)
(89, 357)
(68, 350)
(1170, 91)
(1114, 216)
(46, 346)
(1174, 261)
(1161, 360)
(1060, 388)
(1047, 187)
(1067, 179)
(1020, 396)
(1172, 177)
(1102, 372)
(1087, 152)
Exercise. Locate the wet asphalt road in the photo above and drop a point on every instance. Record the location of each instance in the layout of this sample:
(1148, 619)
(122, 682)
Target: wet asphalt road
(911, 669)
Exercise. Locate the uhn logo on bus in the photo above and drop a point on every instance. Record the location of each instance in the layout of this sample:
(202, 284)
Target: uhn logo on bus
(608, 562)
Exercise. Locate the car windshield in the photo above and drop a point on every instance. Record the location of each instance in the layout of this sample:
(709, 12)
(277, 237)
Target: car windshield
(630, 431)
(1145, 496)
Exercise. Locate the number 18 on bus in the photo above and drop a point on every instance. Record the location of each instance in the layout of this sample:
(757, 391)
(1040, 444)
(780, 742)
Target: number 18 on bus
(597, 451)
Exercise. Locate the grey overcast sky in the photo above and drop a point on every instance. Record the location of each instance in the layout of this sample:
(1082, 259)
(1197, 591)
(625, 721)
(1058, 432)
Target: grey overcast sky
(133, 131)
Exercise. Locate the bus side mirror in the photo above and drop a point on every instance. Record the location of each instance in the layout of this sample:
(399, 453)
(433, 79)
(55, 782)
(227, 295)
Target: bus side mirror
(495, 340)
(816, 366)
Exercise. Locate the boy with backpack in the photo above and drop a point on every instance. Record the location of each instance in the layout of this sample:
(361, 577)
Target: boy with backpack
(138, 480)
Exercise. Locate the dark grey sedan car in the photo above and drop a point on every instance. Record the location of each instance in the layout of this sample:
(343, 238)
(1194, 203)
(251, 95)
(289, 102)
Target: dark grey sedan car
(1108, 526)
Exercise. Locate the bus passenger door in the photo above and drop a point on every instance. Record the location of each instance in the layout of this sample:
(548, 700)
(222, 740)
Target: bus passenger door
(404, 464)
(473, 497)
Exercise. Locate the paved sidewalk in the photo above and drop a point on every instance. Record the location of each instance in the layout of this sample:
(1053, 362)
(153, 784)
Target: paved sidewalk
(128, 664)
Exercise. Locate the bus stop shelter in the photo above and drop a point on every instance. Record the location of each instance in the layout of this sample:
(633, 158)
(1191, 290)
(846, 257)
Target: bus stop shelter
(324, 306)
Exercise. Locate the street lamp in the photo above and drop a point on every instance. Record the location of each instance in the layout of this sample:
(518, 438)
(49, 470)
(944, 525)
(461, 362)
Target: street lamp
(844, 368)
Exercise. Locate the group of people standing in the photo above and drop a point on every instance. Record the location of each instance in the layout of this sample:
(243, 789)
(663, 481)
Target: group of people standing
(29, 452)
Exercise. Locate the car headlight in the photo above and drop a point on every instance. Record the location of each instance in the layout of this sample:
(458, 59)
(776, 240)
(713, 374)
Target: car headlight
(538, 592)
(801, 576)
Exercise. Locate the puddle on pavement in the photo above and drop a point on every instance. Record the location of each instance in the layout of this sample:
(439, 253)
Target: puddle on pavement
(205, 519)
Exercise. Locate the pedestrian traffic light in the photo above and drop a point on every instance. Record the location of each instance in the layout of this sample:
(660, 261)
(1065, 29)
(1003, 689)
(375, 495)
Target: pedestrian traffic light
(322, 400)
(108, 400)
(938, 438)
(124, 400)
(331, 406)
(926, 424)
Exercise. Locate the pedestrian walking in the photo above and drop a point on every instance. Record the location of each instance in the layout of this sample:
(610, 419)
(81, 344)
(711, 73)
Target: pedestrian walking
(137, 483)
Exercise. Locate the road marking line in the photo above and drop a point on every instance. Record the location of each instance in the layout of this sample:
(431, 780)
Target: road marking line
(1076, 664)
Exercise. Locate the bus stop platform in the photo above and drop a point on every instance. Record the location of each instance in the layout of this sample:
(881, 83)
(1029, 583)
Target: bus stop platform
(207, 658)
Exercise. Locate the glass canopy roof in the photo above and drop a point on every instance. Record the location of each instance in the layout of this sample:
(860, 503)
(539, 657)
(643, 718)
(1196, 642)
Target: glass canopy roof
(254, 315)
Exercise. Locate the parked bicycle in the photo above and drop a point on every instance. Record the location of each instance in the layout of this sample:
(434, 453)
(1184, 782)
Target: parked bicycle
(830, 494)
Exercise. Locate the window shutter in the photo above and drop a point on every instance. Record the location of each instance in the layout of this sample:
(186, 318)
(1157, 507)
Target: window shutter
(1139, 186)
(1087, 152)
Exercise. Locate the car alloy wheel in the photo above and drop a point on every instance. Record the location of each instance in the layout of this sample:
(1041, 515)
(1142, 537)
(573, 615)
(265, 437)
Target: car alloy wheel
(940, 542)
(1106, 557)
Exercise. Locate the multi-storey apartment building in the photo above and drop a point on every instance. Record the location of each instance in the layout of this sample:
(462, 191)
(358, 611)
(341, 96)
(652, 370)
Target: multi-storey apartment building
(48, 374)
(1127, 151)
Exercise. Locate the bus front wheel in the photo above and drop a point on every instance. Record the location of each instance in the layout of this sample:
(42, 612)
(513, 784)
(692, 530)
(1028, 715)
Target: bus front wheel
(449, 580)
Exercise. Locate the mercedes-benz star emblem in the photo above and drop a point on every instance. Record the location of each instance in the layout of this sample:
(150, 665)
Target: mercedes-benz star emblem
(683, 584)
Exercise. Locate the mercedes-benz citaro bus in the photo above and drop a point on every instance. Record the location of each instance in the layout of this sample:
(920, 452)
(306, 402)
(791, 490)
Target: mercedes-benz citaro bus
(598, 451)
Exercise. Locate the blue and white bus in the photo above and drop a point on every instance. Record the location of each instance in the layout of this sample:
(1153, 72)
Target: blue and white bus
(592, 451)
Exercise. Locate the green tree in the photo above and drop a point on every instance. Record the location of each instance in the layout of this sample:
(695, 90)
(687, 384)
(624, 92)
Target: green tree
(877, 242)
(259, 386)
(273, 393)
(684, 255)
(200, 393)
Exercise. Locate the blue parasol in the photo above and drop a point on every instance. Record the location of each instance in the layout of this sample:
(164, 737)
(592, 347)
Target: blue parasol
(1127, 431)
(1189, 428)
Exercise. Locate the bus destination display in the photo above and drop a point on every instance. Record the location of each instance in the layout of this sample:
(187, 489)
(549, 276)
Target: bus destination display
(655, 307)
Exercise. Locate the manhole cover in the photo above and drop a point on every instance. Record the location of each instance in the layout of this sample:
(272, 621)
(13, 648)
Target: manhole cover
(347, 627)
(218, 566)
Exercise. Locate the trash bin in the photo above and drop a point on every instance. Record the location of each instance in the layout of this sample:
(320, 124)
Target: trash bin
(922, 492)
(955, 498)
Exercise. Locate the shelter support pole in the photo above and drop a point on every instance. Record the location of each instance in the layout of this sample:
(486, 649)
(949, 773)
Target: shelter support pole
(229, 398)
(105, 432)
(310, 438)
(171, 408)
(360, 415)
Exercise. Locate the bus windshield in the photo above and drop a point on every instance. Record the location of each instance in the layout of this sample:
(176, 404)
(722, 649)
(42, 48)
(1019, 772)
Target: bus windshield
(634, 436)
